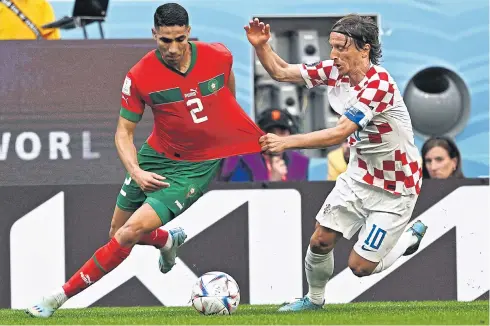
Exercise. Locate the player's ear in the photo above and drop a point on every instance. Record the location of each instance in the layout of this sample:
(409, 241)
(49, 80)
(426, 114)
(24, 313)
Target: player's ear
(366, 48)
(154, 33)
(454, 163)
(188, 31)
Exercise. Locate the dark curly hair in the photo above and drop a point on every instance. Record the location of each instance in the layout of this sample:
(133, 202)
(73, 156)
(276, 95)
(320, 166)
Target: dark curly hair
(362, 30)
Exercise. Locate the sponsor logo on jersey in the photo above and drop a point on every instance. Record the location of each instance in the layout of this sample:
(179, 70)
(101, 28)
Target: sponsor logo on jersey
(126, 89)
(193, 92)
(367, 249)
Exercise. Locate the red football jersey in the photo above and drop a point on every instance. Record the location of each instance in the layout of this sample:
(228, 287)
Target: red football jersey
(196, 117)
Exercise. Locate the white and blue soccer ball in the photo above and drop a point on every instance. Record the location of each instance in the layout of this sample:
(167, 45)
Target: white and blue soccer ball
(215, 293)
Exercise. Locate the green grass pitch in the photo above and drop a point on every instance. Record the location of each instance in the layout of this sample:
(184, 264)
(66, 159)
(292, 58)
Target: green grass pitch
(372, 313)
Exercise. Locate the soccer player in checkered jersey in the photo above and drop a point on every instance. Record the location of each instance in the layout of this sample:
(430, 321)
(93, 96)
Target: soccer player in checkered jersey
(378, 192)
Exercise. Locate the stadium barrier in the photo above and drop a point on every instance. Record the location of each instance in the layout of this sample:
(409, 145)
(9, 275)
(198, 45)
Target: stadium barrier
(60, 107)
(258, 233)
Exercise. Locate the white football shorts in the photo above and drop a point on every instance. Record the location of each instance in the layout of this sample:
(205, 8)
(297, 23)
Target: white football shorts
(381, 216)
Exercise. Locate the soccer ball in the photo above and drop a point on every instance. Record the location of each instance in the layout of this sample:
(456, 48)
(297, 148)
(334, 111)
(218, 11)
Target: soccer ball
(215, 293)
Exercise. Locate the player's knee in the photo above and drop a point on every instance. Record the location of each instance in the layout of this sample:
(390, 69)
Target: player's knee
(359, 271)
(323, 240)
(129, 234)
(319, 247)
(113, 230)
(359, 267)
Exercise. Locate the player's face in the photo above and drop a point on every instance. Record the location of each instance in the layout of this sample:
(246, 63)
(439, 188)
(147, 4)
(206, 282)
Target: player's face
(347, 58)
(172, 43)
(439, 164)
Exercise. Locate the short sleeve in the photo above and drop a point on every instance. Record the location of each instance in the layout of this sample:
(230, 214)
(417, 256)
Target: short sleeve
(132, 106)
(320, 73)
(226, 56)
(373, 99)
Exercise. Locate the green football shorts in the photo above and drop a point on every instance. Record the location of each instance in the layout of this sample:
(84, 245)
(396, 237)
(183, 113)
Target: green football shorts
(188, 181)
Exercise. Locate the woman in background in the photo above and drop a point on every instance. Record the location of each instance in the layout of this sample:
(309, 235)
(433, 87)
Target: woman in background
(441, 159)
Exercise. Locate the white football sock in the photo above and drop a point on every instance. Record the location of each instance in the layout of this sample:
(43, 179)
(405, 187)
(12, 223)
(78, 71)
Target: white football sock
(319, 269)
(406, 240)
(169, 243)
(59, 297)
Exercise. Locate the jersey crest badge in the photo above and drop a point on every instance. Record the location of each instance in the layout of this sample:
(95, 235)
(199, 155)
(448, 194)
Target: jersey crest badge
(212, 85)
(327, 210)
(191, 192)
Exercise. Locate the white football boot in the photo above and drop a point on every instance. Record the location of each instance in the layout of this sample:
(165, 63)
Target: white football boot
(167, 256)
(48, 305)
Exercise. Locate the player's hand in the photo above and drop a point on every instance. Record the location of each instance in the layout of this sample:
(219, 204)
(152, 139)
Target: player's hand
(149, 181)
(258, 33)
(273, 144)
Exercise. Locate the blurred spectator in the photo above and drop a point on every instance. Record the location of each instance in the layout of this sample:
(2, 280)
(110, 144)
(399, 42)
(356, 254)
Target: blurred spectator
(22, 20)
(290, 165)
(338, 160)
(441, 159)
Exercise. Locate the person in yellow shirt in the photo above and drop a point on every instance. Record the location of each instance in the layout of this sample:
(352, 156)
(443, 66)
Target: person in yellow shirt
(22, 20)
(337, 161)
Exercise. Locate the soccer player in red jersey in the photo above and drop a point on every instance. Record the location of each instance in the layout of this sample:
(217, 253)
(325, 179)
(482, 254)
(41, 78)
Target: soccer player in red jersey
(190, 88)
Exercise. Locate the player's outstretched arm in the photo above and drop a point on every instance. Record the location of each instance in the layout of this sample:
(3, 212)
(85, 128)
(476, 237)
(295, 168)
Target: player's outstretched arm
(258, 35)
(125, 145)
(271, 143)
(127, 153)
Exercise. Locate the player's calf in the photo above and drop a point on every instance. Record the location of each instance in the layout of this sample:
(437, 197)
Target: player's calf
(158, 238)
(104, 260)
(119, 218)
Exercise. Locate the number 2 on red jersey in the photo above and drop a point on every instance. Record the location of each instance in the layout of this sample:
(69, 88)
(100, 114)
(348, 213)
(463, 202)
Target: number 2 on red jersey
(198, 107)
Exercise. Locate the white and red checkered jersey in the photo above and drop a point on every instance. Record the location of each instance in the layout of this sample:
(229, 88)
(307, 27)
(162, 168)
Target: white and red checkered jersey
(383, 152)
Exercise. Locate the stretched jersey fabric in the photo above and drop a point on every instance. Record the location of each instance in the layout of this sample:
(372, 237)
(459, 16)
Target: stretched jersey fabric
(196, 117)
(383, 153)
